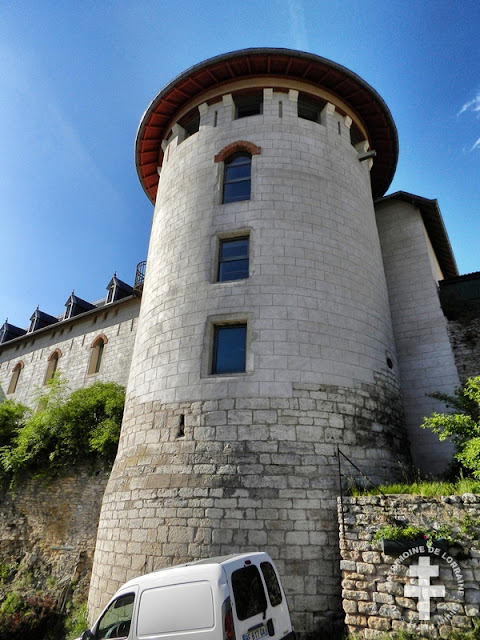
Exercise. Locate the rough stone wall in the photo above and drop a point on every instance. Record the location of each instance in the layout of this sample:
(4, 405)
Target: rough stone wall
(373, 583)
(232, 475)
(48, 531)
(465, 340)
(74, 338)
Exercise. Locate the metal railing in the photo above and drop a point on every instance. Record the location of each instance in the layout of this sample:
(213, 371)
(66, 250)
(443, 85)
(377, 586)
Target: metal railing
(140, 274)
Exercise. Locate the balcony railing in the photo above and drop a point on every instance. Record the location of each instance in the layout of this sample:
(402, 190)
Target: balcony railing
(140, 275)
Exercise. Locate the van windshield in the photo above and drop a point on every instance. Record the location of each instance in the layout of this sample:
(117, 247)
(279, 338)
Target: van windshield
(248, 592)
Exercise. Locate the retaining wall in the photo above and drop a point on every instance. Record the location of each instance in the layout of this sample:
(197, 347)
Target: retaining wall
(380, 588)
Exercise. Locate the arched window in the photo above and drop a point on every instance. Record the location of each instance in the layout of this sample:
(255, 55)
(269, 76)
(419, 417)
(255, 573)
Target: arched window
(98, 346)
(17, 370)
(237, 177)
(52, 365)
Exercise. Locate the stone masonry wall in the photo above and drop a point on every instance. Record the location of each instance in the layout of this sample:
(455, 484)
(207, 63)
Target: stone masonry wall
(465, 341)
(48, 531)
(228, 476)
(376, 596)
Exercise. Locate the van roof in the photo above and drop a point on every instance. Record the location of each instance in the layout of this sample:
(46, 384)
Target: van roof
(207, 565)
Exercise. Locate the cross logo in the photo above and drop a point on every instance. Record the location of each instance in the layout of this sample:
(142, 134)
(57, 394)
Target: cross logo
(424, 590)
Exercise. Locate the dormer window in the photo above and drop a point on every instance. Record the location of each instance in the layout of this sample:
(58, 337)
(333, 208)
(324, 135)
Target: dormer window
(40, 319)
(75, 305)
(117, 289)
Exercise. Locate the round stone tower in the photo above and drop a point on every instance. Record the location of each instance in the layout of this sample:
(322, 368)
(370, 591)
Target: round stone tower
(264, 339)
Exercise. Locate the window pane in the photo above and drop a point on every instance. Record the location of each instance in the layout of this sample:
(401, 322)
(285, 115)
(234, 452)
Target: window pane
(235, 191)
(249, 593)
(233, 249)
(229, 352)
(273, 588)
(237, 172)
(234, 270)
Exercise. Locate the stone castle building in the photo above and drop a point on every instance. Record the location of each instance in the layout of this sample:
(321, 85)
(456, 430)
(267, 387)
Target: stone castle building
(289, 308)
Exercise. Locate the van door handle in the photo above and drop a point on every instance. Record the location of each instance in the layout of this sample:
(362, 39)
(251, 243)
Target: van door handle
(270, 627)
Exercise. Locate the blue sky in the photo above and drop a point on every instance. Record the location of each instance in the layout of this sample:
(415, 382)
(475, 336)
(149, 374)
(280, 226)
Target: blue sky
(76, 77)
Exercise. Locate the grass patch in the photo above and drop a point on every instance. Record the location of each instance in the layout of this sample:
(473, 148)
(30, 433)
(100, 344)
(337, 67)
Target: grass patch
(427, 489)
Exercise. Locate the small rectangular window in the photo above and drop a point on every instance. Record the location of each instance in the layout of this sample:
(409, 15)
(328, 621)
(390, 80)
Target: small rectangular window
(248, 105)
(233, 259)
(229, 348)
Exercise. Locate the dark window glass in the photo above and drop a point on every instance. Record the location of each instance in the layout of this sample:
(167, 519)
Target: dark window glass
(249, 593)
(237, 178)
(249, 105)
(192, 126)
(99, 354)
(233, 259)
(356, 135)
(309, 108)
(273, 588)
(229, 349)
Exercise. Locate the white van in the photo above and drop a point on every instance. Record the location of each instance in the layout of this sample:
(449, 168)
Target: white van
(237, 597)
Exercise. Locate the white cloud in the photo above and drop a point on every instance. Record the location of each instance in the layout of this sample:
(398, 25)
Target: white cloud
(298, 27)
(472, 105)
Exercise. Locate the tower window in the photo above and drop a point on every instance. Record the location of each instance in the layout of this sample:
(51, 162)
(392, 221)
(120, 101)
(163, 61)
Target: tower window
(248, 105)
(233, 259)
(237, 177)
(229, 348)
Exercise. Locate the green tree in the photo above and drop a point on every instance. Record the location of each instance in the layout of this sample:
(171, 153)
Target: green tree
(462, 426)
(63, 430)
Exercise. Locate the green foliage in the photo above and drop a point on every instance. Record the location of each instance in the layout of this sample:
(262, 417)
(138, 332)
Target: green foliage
(432, 489)
(11, 416)
(76, 622)
(33, 617)
(461, 426)
(7, 570)
(63, 430)
(392, 532)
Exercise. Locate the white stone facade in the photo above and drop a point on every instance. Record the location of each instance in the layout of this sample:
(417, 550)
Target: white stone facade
(73, 340)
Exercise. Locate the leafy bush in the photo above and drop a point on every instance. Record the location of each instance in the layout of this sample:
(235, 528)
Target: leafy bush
(11, 416)
(462, 426)
(34, 617)
(63, 430)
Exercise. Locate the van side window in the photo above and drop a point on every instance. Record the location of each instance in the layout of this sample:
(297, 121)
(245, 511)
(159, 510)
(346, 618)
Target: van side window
(248, 592)
(115, 622)
(271, 580)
